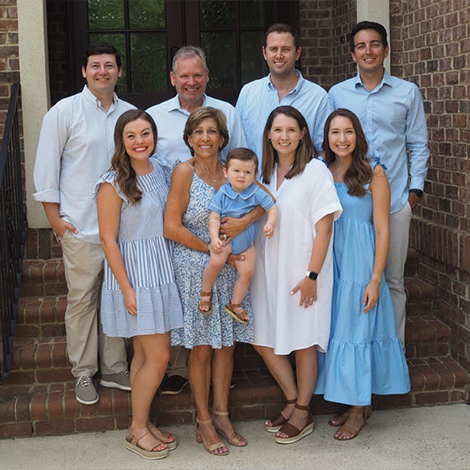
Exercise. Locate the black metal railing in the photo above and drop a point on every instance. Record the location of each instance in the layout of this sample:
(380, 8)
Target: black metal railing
(13, 226)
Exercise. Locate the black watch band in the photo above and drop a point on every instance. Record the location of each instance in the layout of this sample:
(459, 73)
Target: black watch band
(418, 192)
(311, 275)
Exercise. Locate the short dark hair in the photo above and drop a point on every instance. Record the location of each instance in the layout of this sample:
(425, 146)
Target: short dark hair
(282, 28)
(99, 48)
(368, 25)
(243, 154)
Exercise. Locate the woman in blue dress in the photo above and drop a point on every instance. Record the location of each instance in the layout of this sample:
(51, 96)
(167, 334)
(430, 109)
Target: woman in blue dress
(364, 355)
(139, 297)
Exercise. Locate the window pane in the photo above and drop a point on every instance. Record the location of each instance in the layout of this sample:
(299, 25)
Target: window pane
(147, 14)
(221, 52)
(119, 42)
(218, 13)
(257, 13)
(253, 64)
(148, 52)
(105, 14)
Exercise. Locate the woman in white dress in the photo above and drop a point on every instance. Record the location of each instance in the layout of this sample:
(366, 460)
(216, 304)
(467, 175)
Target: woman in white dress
(292, 286)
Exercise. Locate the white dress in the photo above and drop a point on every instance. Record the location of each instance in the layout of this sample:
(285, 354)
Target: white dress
(281, 263)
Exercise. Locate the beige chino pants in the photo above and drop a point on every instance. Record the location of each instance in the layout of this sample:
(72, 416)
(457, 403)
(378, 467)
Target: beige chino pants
(83, 264)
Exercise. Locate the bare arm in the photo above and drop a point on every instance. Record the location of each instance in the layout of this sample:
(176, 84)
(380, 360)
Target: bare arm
(308, 287)
(214, 227)
(381, 214)
(271, 222)
(58, 224)
(109, 214)
(232, 227)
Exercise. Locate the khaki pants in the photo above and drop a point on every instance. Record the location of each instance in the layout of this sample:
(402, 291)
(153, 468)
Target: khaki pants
(83, 264)
(395, 267)
(178, 364)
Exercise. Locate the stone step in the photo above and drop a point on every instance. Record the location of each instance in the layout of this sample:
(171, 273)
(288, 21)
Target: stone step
(33, 410)
(411, 263)
(419, 296)
(426, 337)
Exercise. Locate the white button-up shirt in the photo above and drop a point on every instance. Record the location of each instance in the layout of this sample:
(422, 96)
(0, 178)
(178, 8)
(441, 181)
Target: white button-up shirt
(75, 148)
(171, 118)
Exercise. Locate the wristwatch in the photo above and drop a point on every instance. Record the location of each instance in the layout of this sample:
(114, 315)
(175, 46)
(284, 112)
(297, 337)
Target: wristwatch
(311, 275)
(418, 192)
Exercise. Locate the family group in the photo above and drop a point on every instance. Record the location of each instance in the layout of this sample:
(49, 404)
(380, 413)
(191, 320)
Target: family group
(194, 225)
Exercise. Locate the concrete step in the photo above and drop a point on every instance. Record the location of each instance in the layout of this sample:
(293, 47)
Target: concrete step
(33, 410)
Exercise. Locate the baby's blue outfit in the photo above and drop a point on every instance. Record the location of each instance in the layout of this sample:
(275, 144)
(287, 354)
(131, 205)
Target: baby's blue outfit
(229, 203)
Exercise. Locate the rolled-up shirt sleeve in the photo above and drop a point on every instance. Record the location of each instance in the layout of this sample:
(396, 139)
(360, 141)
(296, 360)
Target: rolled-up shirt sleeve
(52, 140)
(417, 140)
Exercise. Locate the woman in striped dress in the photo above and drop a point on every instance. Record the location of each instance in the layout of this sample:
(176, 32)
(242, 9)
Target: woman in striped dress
(139, 296)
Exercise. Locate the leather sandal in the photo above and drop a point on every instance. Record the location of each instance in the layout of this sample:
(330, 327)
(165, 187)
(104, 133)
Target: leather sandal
(340, 419)
(200, 439)
(293, 433)
(237, 439)
(352, 433)
(279, 420)
(205, 303)
(163, 436)
(230, 309)
(157, 452)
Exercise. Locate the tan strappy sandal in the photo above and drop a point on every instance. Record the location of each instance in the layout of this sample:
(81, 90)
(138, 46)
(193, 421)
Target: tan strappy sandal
(200, 439)
(237, 439)
(230, 309)
(157, 452)
(205, 303)
(352, 433)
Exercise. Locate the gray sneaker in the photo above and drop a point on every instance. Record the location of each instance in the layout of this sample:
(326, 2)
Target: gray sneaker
(120, 380)
(85, 391)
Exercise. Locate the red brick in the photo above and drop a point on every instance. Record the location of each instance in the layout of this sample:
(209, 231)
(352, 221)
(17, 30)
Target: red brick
(70, 404)
(431, 398)
(174, 417)
(22, 408)
(94, 424)
(54, 375)
(10, 431)
(121, 402)
(38, 406)
(54, 428)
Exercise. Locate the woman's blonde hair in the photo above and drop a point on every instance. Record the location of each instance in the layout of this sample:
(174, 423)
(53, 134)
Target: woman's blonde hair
(197, 116)
(126, 177)
(303, 153)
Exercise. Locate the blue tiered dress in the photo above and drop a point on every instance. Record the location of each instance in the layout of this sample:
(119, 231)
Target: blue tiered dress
(147, 258)
(364, 355)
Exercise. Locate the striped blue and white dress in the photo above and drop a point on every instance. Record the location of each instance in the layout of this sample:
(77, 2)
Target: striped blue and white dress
(147, 259)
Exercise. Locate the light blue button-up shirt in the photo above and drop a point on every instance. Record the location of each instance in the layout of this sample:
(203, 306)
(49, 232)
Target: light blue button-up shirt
(393, 119)
(171, 118)
(258, 98)
(75, 148)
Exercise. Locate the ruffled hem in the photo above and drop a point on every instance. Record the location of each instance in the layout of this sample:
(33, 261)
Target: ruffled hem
(350, 373)
(158, 311)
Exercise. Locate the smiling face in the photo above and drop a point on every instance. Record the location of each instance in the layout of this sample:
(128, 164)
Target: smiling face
(369, 51)
(342, 137)
(139, 140)
(285, 135)
(205, 139)
(240, 174)
(280, 54)
(101, 74)
(190, 80)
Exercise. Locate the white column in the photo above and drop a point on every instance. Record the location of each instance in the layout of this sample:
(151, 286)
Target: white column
(378, 11)
(35, 96)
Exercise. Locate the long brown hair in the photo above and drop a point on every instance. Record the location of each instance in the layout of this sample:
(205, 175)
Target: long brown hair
(126, 177)
(359, 172)
(303, 153)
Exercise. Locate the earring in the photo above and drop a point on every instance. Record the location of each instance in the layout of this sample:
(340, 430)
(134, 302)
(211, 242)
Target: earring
(301, 141)
(269, 140)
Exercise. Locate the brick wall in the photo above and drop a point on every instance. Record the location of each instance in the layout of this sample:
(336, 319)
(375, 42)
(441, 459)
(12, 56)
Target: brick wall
(430, 44)
(9, 61)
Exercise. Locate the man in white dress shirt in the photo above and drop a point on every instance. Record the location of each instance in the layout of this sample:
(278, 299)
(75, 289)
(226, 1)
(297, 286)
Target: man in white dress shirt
(189, 76)
(75, 148)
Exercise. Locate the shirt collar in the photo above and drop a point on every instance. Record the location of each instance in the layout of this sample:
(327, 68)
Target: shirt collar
(232, 194)
(386, 80)
(93, 99)
(295, 89)
(174, 104)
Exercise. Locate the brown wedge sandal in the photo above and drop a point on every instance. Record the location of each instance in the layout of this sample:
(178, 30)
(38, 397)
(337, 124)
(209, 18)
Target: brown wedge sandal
(200, 439)
(352, 433)
(205, 303)
(230, 309)
(279, 420)
(157, 452)
(236, 439)
(293, 433)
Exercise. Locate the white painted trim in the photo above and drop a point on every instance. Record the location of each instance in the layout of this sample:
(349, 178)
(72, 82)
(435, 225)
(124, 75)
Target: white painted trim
(35, 97)
(378, 11)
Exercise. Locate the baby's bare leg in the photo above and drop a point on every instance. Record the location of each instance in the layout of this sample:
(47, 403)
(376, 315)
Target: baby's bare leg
(245, 269)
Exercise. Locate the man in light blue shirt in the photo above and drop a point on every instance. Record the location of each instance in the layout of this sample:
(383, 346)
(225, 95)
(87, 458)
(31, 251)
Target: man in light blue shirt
(75, 148)
(283, 86)
(392, 115)
(190, 76)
